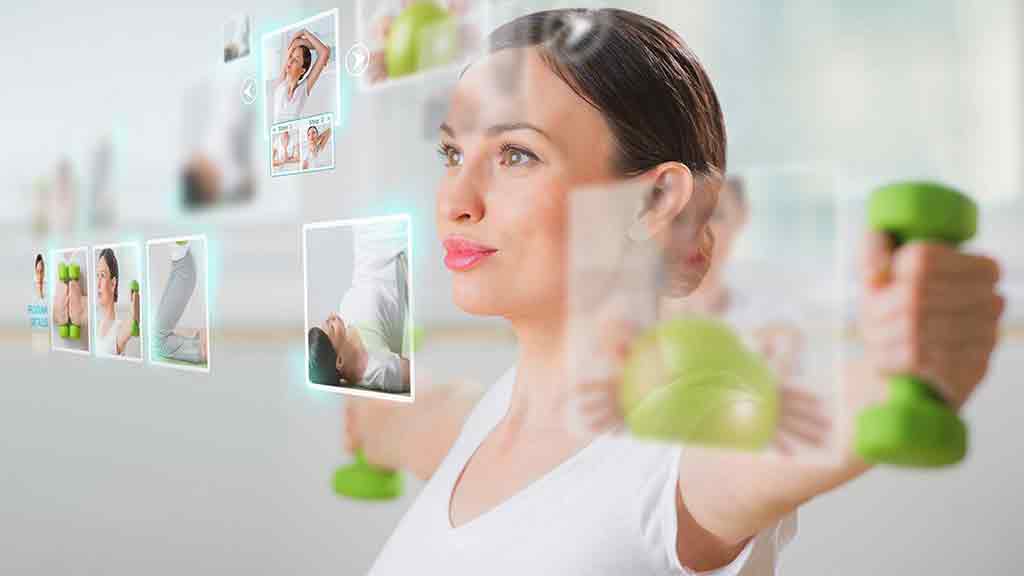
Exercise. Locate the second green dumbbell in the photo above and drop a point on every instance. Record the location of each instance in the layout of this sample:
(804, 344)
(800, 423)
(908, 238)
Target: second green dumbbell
(74, 273)
(914, 427)
(135, 323)
(363, 481)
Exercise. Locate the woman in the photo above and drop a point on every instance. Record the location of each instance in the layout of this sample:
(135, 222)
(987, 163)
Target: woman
(289, 96)
(518, 492)
(316, 145)
(113, 333)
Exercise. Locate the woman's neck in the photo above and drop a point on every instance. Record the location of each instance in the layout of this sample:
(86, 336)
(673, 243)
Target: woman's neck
(108, 312)
(711, 298)
(541, 395)
(39, 289)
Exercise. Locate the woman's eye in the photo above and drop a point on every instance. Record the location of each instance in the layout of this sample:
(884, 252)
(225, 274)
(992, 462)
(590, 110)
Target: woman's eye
(514, 156)
(450, 155)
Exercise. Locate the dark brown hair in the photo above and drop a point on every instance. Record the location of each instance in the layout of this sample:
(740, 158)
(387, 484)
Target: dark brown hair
(322, 358)
(652, 91)
(108, 255)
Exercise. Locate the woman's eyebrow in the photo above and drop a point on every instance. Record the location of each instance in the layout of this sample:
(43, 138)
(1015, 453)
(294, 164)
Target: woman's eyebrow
(496, 129)
(512, 126)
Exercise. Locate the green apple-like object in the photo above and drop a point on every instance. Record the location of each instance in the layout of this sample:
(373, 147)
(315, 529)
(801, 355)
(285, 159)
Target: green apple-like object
(423, 36)
(692, 380)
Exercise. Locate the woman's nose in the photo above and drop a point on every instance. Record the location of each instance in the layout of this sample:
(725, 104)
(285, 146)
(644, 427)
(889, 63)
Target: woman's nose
(461, 199)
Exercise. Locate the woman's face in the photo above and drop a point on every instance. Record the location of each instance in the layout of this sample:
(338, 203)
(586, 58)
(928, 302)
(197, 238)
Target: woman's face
(311, 135)
(40, 273)
(294, 70)
(514, 147)
(727, 222)
(105, 284)
(337, 333)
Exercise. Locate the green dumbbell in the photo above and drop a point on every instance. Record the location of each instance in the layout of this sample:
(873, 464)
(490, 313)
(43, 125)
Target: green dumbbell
(363, 481)
(423, 36)
(915, 427)
(64, 330)
(74, 273)
(135, 323)
(693, 380)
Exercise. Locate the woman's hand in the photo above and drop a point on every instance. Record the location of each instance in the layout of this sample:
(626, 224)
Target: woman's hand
(135, 307)
(378, 428)
(803, 419)
(76, 308)
(930, 311)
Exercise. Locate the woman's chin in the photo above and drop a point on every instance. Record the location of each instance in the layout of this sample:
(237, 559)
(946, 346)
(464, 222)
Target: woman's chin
(474, 299)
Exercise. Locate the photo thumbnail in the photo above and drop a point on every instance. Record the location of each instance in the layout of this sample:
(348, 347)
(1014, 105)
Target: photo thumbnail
(69, 306)
(358, 307)
(117, 304)
(179, 323)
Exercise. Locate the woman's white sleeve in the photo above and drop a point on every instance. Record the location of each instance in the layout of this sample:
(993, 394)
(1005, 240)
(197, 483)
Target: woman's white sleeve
(383, 371)
(760, 557)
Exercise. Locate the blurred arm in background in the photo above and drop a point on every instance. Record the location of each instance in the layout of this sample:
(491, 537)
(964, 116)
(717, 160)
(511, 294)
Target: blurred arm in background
(411, 437)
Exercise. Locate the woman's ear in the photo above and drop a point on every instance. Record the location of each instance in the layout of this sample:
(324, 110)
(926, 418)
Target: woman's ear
(670, 193)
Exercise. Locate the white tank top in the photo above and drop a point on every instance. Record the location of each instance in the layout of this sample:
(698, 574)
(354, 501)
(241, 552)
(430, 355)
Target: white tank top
(608, 509)
(106, 344)
(286, 108)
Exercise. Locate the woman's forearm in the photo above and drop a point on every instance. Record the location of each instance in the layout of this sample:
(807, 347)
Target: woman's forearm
(319, 46)
(434, 422)
(736, 495)
(123, 336)
(60, 305)
(78, 308)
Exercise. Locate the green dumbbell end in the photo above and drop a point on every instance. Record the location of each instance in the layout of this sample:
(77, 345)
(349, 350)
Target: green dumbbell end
(74, 332)
(923, 211)
(418, 334)
(692, 380)
(135, 285)
(914, 428)
(64, 330)
(363, 481)
(423, 36)
(62, 272)
(74, 271)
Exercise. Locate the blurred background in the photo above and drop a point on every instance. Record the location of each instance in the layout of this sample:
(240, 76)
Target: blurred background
(124, 122)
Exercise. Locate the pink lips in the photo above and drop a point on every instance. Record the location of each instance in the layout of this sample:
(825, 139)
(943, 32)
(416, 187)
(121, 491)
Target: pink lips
(464, 254)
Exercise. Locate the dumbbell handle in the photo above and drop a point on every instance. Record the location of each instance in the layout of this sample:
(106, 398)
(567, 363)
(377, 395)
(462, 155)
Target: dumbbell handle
(135, 323)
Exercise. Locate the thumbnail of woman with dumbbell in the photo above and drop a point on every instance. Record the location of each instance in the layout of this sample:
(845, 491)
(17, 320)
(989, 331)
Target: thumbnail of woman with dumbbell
(114, 331)
(70, 304)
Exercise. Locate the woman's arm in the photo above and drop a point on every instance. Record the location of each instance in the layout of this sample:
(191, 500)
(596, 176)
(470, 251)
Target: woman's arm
(78, 305)
(928, 311)
(411, 437)
(60, 305)
(126, 328)
(321, 140)
(323, 55)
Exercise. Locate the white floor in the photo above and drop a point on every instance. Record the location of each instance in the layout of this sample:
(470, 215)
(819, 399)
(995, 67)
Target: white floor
(115, 468)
